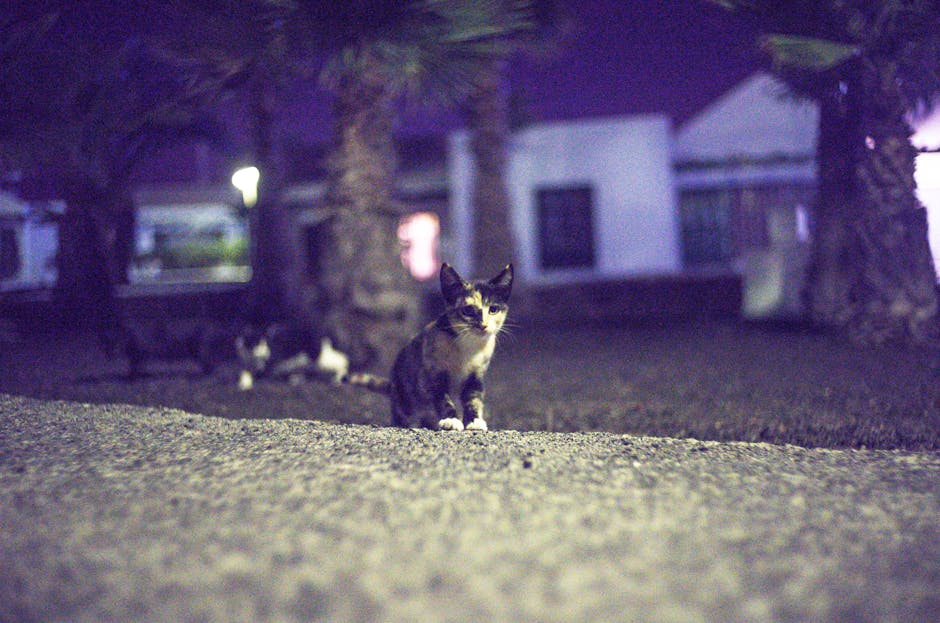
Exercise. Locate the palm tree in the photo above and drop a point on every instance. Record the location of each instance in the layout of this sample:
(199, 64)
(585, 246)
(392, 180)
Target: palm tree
(487, 109)
(433, 47)
(487, 113)
(369, 297)
(376, 51)
(868, 64)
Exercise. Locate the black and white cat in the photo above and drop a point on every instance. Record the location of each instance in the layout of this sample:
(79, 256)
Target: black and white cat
(444, 364)
(286, 351)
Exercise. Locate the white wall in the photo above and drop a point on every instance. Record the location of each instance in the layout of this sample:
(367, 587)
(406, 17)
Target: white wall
(751, 135)
(37, 241)
(627, 162)
(460, 173)
(927, 176)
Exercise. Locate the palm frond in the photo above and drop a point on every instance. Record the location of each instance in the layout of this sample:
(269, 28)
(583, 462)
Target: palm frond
(434, 47)
(808, 52)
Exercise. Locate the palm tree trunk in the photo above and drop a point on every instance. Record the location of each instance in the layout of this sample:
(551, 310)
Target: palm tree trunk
(85, 289)
(898, 280)
(270, 257)
(872, 274)
(488, 118)
(371, 301)
(836, 259)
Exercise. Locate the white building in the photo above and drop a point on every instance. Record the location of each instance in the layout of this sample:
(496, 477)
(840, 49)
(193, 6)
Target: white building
(728, 192)
(591, 200)
(29, 243)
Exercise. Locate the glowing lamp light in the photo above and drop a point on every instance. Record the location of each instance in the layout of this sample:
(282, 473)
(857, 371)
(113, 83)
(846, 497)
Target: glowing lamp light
(419, 235)
(246, 180)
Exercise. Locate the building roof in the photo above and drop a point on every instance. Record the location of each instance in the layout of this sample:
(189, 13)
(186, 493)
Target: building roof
(754, 120)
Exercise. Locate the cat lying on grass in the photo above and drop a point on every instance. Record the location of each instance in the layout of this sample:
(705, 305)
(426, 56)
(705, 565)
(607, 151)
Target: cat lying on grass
(446, 361)
(283, 351)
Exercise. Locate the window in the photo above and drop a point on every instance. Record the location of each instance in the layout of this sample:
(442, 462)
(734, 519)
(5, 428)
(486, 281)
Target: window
(190, 243)
(706, 227)
(9, 252)
(566, 230)
(719, 224)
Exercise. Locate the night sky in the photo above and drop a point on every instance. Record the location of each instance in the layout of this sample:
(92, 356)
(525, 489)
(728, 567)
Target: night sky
(671, 56)
(616, 57)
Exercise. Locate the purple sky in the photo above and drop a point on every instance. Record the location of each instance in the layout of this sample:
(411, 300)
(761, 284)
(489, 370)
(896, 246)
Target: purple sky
(618, 57)
(671, 56)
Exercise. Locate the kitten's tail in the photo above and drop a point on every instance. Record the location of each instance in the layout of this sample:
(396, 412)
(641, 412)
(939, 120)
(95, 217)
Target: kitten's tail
(377, 384)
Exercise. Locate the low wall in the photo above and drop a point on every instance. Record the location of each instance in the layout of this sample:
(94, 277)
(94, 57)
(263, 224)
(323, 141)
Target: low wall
(671, 297)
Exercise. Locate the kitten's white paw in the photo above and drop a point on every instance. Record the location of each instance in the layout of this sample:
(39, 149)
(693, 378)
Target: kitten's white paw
(245, 381)
(450, 423)
(477, 424)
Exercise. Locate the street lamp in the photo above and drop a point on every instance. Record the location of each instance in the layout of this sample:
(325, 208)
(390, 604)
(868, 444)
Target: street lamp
(246, 180)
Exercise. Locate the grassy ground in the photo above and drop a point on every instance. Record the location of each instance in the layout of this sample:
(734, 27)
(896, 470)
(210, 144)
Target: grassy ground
(720, 380)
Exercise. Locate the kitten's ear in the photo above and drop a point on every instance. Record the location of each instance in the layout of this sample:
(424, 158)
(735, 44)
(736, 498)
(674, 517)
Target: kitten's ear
(503, 282)
(452, 286)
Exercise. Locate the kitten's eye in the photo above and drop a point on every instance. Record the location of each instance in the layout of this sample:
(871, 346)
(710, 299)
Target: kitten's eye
(468, 310)
(495, 309)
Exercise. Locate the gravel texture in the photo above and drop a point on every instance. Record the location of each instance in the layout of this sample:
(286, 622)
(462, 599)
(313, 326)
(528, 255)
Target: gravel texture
(132, 513)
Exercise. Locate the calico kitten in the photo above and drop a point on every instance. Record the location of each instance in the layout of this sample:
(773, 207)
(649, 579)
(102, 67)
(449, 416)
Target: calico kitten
(281, 350)
(445, 363)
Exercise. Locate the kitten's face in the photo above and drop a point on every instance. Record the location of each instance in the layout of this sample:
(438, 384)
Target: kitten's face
(477, 307)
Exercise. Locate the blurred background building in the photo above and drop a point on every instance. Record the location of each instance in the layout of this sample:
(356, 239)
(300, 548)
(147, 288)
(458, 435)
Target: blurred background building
(641, 153)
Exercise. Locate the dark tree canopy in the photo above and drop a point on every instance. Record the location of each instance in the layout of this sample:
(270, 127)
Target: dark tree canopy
(83, 100)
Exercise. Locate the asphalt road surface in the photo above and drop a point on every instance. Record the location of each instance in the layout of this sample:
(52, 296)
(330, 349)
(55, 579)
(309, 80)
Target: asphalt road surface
(118, 513)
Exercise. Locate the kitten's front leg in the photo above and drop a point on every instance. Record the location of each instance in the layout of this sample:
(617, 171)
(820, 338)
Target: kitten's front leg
(444, 405)
(448, 416)
(471, 397)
